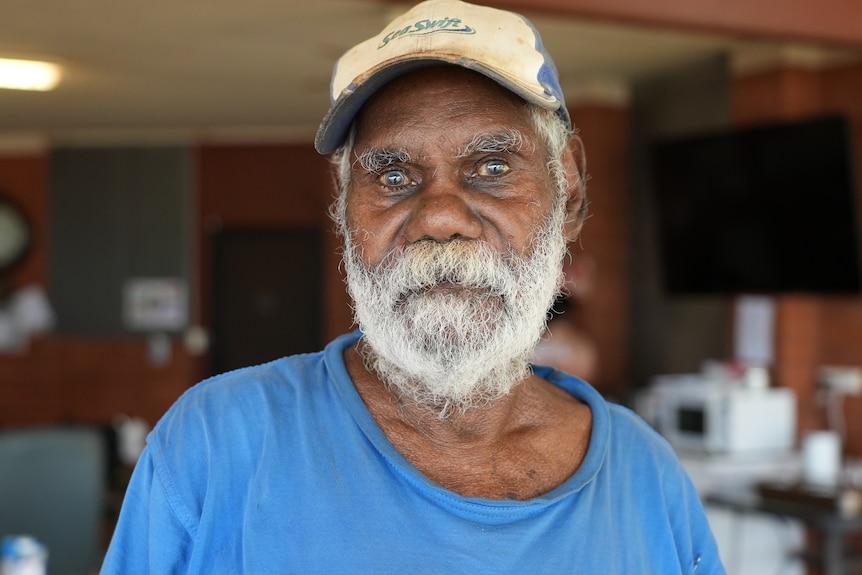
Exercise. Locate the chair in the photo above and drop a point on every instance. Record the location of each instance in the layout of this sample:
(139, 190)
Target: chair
(52, 486)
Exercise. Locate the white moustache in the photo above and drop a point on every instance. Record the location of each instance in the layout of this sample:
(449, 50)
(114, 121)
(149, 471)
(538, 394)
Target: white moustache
(458, 263)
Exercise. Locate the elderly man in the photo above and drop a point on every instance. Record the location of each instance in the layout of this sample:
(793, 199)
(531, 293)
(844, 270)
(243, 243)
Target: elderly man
(425, 442)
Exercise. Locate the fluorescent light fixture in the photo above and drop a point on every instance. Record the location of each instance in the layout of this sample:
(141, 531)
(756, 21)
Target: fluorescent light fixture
(28, 75)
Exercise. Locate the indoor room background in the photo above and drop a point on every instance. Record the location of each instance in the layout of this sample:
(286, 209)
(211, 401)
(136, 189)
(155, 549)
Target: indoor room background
(195, 183)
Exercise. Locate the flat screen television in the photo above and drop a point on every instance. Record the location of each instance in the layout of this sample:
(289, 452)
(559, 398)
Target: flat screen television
(768, 209)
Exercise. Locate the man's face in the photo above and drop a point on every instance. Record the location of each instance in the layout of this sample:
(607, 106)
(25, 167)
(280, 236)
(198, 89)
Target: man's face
(453, 236)
(428, 169)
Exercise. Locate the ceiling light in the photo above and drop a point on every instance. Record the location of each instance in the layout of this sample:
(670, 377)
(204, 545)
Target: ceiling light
(28, 75)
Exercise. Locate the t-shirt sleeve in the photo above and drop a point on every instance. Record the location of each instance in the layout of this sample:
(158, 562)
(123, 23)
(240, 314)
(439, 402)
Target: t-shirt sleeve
(149, 538)
(691, 519)
(664, 496)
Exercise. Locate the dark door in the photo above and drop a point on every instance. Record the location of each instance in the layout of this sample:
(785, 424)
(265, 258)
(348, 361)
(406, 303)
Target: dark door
(267, 295)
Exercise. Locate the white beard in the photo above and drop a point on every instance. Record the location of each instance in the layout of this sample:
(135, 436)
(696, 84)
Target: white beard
(451, 325)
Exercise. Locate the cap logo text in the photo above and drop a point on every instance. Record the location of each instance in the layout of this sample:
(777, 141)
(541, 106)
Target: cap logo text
(425, 27)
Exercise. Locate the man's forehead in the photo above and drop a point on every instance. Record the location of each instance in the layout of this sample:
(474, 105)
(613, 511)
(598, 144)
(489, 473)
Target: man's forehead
(443, 107)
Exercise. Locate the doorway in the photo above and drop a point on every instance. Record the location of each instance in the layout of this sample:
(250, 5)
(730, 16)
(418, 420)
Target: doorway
(267, 295)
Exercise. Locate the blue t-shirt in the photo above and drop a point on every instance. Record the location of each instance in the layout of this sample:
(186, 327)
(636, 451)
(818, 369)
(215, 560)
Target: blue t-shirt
(280, 469)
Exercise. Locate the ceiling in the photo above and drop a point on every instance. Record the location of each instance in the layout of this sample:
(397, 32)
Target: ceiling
(260, 68)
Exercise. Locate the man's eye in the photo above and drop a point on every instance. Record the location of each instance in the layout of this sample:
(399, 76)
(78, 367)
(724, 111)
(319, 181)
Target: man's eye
(394, 179)
(493, 168)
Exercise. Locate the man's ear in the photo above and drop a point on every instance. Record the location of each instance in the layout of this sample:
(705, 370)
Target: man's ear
(575, 165)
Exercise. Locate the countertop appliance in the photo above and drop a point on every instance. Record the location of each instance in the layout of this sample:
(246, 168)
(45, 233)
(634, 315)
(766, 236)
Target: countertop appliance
(698, 412)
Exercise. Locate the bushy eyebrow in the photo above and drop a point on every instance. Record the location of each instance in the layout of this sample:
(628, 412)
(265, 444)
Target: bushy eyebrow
(375, 160)
(508, 141)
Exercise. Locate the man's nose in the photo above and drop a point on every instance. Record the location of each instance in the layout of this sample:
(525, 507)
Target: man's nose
(442, 213)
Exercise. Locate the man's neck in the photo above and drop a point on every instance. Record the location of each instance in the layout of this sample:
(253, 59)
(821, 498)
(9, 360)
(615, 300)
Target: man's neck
(516, 447)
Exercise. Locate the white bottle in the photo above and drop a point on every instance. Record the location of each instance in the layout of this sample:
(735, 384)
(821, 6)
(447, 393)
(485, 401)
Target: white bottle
(22, 555)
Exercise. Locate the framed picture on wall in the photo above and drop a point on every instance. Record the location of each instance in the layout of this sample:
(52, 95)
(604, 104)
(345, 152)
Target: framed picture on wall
(155, 304)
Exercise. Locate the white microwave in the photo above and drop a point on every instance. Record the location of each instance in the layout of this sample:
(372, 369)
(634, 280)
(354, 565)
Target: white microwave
(699, 413)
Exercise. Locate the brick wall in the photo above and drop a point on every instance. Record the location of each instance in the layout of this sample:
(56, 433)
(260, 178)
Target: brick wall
(76, 379)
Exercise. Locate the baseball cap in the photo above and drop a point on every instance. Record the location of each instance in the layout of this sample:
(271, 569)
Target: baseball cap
(502, 45)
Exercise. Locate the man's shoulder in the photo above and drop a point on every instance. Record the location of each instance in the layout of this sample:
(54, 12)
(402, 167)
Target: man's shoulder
(230, 417)
(249, 398)
(631, 430)
(253, 396)
(285, 379)
(279, 376)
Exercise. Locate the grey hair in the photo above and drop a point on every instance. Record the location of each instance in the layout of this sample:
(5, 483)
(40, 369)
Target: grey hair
(553, 131)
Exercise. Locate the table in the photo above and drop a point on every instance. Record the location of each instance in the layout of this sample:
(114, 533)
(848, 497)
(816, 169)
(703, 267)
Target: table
(834, 557)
